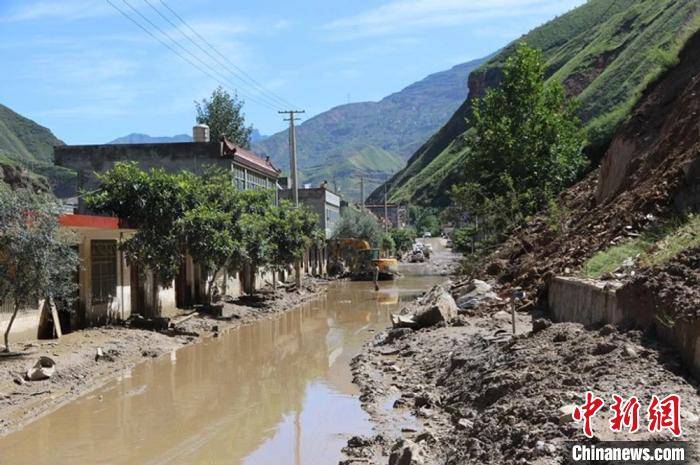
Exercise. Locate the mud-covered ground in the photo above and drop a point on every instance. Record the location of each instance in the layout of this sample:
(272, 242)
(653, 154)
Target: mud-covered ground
(79, 370)
(469, 393)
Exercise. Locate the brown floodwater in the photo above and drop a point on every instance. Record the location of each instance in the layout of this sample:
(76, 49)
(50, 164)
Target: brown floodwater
(276, 392)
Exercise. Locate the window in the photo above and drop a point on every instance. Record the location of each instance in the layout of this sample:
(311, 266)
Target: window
(239, 177)
(103, 261)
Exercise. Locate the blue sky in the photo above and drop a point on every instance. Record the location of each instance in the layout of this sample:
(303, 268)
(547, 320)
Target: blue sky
(90, 75)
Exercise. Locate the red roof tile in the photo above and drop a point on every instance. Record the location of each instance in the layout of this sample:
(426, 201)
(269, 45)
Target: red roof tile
(250, 159)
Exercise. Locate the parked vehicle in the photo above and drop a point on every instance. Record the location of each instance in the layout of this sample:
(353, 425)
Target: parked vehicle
(427, 234)
(450, 244)
(417, 257)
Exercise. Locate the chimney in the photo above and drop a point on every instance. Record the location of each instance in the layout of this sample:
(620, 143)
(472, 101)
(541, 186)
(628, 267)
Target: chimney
(200, 133)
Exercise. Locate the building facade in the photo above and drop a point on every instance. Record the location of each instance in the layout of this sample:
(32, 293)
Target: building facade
(109, 289)
(394, 215)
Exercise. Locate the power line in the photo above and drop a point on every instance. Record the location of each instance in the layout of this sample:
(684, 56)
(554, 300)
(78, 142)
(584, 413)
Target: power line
(215, 71)
(249, 78)
(262, 93)
(176, 52)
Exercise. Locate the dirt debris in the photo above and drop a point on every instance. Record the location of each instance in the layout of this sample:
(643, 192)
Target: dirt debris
(474, 394)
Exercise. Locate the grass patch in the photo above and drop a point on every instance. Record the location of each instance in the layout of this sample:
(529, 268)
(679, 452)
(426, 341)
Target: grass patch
(653, 248)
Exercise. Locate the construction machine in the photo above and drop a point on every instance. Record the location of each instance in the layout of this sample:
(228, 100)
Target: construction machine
(360, 261)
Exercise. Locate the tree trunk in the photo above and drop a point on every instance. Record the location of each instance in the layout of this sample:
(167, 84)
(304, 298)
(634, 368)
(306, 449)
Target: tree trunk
(9, 327)
(297, 274)
(250, 280)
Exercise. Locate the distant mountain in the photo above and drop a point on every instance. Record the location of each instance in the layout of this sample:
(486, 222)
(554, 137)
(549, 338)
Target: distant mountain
(605, 53)
(371, 139)
(26, 147)
(137, 138)
(256, 137)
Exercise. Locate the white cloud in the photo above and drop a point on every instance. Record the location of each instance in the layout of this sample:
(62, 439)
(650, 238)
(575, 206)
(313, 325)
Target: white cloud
(65, 10)
(401, 16)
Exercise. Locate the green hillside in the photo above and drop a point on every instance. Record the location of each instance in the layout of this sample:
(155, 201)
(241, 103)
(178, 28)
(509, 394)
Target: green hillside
(373, 164)
(24, 143)
(605, 52)
(367, 138)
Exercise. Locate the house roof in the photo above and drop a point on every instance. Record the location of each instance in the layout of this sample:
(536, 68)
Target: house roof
(250, 159)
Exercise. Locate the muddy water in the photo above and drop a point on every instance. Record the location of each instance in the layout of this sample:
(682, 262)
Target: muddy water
(276, 392)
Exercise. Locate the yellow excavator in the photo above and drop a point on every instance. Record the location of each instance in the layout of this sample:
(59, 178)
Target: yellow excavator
(361, 261)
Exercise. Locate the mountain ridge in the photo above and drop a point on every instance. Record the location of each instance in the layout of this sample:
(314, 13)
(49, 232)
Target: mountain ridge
(395, 125)
(605, 52)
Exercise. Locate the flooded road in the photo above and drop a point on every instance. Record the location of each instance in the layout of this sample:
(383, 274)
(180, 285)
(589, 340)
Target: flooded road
(278, 391)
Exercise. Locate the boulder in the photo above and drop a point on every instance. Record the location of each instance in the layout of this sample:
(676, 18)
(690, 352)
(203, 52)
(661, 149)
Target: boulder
(540, 324)
(443, 308)
(406, 452)
(44, 368)
(566, 414)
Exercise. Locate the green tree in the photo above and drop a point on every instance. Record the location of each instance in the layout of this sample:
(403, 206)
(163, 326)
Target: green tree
(358, 224)
(403, 239)
(292, 230)
(154, 202)
(527, 139)
(424, 219)
(36, 258)
(223, 113)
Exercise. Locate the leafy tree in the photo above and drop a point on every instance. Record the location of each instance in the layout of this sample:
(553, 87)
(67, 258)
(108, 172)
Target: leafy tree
(223, 114)
(291, 231)
(36, 259)
(154, 202)
(403, 239)
(527, 138)
(388, 244)
(359, 224)
(424, 219)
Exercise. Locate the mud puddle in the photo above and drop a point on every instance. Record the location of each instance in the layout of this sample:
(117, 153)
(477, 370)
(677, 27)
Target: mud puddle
(278, 391)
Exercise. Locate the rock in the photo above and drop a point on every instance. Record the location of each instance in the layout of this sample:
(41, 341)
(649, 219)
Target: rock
(403, 321)
(604, 348)
(566, 414)
(357, 441)
(394, 334)
(497, 267)
(545, 447)
(607, 330)
(406, 452)
(629, 351)
(149, 353)
(501, 315)
(43, 369)
(442, 309)
(540, 324)
(463, 423)
(560, 337)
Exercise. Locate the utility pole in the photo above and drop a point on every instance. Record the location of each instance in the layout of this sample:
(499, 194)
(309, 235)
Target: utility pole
(386, 212)
(362, 192)
(293, 151)
(293, 168)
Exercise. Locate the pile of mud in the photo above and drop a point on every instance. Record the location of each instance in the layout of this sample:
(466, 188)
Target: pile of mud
(480, 399)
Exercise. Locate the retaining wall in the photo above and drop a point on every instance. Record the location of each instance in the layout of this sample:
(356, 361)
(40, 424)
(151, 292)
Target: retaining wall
(592, 302)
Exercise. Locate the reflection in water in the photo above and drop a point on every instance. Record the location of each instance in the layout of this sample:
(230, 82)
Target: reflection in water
(278, 391)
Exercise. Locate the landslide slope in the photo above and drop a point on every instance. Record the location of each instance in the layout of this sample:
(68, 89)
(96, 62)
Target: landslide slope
(26, 145)
(649, 174)
(377, 137)
(605, 52)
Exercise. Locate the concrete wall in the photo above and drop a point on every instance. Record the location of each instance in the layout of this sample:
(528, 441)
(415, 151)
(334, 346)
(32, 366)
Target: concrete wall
(24, 327)
(593, 302)
(584, 301)
(87, 160)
